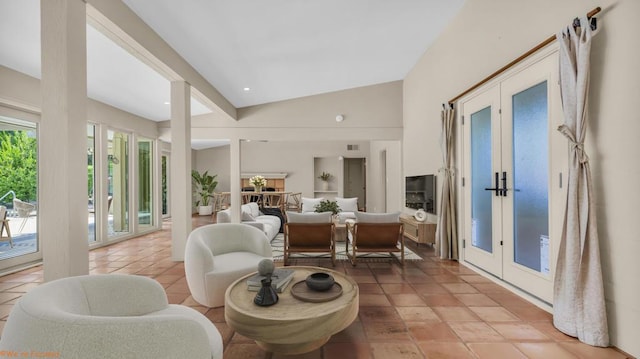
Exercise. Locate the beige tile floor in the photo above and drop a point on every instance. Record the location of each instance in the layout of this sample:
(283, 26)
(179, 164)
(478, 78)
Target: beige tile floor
(428, 309)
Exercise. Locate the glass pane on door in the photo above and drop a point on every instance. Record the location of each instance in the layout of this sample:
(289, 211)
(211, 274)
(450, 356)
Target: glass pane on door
(91, 190)
(481, 178)
(18, 188)
(145, 182)
(118, 186)
(165, 182)
(530, 178)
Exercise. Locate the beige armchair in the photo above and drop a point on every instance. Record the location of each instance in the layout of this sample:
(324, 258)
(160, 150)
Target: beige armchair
(107, 316)
(216, 255)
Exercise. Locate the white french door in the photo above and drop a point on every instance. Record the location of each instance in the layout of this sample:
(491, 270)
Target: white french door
(513, 160)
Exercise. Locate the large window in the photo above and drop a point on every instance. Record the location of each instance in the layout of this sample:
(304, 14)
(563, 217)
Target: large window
(18, 191)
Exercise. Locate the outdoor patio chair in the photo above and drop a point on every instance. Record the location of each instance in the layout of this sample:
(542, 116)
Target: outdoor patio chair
(375, 233)
(4, 226)
(309, 233)
(24, 210)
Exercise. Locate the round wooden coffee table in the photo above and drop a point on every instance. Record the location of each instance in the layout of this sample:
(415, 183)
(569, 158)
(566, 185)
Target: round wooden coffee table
(291, 326)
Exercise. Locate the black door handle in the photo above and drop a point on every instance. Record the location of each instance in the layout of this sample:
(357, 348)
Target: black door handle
(497, 189)
(504, 184)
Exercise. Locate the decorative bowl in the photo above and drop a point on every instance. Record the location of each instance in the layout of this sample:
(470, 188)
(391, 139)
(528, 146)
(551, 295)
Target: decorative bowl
(320, 281)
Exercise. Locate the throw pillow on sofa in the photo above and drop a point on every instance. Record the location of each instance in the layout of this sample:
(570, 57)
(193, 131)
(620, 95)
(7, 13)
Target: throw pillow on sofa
(309, 204)
(348, 204)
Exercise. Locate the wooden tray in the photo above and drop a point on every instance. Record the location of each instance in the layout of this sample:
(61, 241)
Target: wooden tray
(302, 292)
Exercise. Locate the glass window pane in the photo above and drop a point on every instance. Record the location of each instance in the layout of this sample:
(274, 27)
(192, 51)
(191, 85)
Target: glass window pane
(481, 178)
(118, 183)
(165, 198)
(91, 182)
(145, 182)
(18, 188)
(531, 195)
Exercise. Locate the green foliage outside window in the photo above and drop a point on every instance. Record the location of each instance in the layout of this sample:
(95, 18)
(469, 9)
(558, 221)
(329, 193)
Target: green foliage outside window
(18, 164)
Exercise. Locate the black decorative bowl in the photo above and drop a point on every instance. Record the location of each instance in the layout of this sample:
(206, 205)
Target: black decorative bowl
(320, 281)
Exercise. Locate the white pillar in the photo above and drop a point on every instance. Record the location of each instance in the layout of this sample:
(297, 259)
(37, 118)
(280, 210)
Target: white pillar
(62, 191)
(180, 168)
(236, 200)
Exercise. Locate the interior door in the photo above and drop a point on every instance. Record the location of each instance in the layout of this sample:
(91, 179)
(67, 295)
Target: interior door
(355, 180)
(514, 159)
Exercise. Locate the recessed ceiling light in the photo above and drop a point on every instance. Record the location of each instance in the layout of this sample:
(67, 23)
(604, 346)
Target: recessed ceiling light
(246, 89)
(167, 103)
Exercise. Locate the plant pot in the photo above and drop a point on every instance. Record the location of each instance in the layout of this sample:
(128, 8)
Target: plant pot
(325, 185)
(205, 210)
(257, 189)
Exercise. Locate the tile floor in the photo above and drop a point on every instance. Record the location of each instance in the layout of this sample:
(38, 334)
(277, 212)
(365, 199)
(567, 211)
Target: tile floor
(428, 309)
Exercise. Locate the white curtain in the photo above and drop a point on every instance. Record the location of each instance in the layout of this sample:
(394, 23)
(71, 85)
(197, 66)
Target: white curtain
(579, 306)
(446, 233)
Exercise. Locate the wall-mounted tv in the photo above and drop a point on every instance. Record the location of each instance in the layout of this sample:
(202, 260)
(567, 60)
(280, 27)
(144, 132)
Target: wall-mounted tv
(420, 192)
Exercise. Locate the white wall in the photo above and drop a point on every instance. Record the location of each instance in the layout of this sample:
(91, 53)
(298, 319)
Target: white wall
(486, 35)
(393, 182)
(300, 129)
(292, 157)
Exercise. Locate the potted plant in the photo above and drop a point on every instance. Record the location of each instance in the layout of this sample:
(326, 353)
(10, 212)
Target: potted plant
(205, 184)
(325, 177)
(328, 206)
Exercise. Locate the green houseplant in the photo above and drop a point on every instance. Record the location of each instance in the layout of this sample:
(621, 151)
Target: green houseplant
(328, 206)
(204, 185)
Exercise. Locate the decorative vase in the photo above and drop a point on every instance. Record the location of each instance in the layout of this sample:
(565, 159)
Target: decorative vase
(257, 188)
(325, 185)
(267, 294)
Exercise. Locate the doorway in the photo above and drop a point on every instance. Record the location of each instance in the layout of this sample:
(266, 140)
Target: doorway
(513, 159)
(355, 184)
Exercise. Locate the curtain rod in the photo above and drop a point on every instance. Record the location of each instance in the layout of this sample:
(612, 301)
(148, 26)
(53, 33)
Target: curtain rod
(522, 57)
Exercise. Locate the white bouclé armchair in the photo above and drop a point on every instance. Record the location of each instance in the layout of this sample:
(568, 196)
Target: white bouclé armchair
(107, 316)
(218, 254)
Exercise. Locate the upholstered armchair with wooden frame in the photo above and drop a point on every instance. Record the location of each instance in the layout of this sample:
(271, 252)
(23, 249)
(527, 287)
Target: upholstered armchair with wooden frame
(375, 233)
(309, 233)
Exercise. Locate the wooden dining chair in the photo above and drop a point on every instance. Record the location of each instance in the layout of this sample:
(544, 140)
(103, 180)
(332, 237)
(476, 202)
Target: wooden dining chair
(294, 202)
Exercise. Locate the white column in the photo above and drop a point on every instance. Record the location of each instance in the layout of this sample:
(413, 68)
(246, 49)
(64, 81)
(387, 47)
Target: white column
(62, 190)
(180, 168)
(235, 188)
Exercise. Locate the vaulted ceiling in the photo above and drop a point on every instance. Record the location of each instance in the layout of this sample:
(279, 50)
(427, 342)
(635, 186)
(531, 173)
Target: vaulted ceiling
(277, 49)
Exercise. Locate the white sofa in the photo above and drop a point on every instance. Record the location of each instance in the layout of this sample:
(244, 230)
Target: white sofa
(218, 254)
(107, 316)
(348, 208)
(251, 215)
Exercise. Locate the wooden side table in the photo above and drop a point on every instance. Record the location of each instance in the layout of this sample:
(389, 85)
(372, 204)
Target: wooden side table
(291, 326)
(419, 232)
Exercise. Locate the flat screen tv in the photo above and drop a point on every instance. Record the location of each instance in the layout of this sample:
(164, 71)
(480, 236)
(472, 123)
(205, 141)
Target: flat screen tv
(420, 192)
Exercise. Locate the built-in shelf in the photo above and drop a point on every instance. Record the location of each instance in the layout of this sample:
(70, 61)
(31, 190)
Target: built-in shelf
(322, 191)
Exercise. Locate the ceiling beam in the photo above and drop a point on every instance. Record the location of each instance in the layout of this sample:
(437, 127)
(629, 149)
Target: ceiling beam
(125, 28)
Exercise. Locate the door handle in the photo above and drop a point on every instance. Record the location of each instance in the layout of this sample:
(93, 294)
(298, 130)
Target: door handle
(497, 188)
(504, 184)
